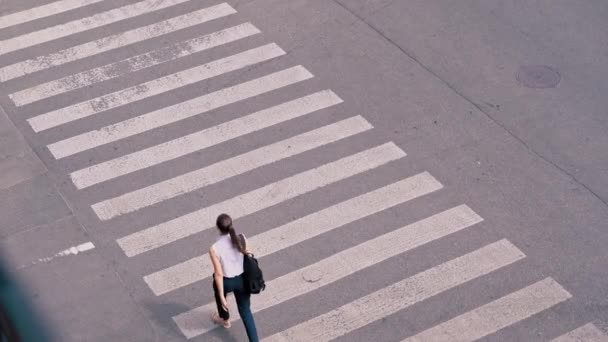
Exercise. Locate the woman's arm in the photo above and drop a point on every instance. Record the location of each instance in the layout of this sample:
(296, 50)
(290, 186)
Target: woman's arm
(218, 275)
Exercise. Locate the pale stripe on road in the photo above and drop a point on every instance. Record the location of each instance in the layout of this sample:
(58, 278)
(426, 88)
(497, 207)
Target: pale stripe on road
(84, 24)
(113, 42)
(197, 141)
(259, 199)
(498, 314)
(329, 270)
(228, 168)
(378, 304)
(203, 139)
(157, 86)
(586, 333)
(43, 11)
(180, 111)
(304, 228)
(403, 294)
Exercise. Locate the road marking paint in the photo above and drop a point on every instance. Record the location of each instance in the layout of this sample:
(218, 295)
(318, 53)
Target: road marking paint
(229, 168)
(120, 40)
(180, 111)
(403, 294)
(498, 314)
(320, 222)
(43, 11)
(586, 333)
(70, 251)
(373, 306)
(157, 86)
(259, 199)
(200, 140)
(84, 24)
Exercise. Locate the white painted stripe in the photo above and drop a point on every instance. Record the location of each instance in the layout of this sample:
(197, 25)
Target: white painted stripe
(155, 87)
(200, 140)
(120, 40)
(81, 25)
(378, 304)
(586, 333)
(83, 247)
(43, 11)
(77, 249)
(229, 168)
(259, 199)
(175, 113)
(403, 294)
(498, 314)
(307, 227)
(121, 68)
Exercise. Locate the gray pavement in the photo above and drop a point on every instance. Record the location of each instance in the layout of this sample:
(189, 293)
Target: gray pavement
(444, 81)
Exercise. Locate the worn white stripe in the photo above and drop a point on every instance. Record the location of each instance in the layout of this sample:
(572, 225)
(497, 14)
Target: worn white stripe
(261, 198)
(307, 227)
(329, 270)
(200, 140)
(498, 314)
(183, 110)
(83, 247)
(84, 24)
(120, 40)
(375, 305)
(119, 68)
(229, 168)
(586, 333)
(403, 294)
(43, 11)
(155, 87)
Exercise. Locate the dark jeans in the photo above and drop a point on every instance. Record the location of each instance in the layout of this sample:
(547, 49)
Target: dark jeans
(237, 286)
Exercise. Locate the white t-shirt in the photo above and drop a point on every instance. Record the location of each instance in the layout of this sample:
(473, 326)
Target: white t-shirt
(230, 257)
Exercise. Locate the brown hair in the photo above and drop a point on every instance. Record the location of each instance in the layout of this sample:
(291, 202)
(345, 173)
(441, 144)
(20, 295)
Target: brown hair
(224, 224)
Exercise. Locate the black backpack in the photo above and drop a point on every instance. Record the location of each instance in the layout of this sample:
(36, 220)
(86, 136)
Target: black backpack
(253, 277)
(252, 273)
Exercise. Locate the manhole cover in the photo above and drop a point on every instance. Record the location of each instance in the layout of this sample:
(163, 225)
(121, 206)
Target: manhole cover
(538, 76)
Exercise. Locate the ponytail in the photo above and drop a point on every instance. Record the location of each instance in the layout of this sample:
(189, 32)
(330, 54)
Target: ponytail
(236, 242)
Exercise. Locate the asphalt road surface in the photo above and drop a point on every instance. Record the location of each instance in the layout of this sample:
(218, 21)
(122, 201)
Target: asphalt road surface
(410, 170)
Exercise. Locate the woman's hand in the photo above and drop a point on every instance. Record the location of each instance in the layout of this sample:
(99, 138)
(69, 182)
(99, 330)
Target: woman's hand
(224, 303)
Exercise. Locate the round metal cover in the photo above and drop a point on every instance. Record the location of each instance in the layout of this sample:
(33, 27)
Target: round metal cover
(538, 76)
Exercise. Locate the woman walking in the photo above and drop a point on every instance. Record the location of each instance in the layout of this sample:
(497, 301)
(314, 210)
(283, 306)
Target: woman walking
(227, 258)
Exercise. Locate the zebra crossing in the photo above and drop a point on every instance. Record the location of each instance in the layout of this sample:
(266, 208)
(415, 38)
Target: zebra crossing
(482, 321)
